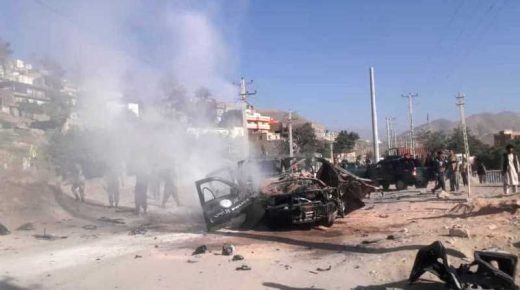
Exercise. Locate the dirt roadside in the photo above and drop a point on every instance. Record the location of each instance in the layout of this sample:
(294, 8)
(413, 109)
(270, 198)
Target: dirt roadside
(372, 248)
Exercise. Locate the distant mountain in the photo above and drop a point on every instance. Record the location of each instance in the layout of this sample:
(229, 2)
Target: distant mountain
(482, 125)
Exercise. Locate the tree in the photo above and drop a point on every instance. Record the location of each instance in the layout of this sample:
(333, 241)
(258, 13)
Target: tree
(433, 141)
(456, 143)
(345, 141)
(305, 137)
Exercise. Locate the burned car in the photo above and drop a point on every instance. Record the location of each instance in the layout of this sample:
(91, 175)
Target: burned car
(294, 190)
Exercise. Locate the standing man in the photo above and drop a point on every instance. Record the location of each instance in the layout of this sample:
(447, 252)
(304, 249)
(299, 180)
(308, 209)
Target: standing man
(141, 189)
(464, 172)
(438, 168)
(78, 183)
(510, 166)
(170, 187)
(481, 171)
(453, 171)
(112, 185)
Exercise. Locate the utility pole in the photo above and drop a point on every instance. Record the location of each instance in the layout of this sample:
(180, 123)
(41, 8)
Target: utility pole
(428, 122)
(393, 136)
(410, 116)
(244, 94)
(375, 137)
(388, 134)
(460, 104)
(291, 154)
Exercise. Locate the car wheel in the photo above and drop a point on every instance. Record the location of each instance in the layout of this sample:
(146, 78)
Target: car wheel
(401, 185)
(331, 215)
(421, 184)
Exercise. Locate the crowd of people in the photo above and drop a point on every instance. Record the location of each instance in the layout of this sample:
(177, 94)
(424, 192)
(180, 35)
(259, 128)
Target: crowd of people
(144, 183)
(457, 171)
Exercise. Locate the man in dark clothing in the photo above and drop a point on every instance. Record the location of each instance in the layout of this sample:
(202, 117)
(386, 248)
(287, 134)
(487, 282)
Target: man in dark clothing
(481, 171)
(407, 162)
(141, 189)
(438, 169)
(169, 187)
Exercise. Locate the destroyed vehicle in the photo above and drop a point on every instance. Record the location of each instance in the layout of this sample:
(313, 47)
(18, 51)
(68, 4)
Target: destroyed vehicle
(291, 190)
(301, 201)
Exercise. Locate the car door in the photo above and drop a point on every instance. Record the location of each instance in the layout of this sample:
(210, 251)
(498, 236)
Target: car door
(220, 200)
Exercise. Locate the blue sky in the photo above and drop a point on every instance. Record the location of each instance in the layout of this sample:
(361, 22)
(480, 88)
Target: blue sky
(313, 56)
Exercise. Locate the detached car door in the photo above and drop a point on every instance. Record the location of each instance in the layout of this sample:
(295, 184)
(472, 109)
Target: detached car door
(220, 200)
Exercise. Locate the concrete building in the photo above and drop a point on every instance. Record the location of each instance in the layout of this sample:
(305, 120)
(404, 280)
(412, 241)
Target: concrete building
(506, 136)
(261, 125)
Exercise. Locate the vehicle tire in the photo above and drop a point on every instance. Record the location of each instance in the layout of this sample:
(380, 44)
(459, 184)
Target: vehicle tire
(401, 185)
(385, 185)
(421, 184)
(331, 216)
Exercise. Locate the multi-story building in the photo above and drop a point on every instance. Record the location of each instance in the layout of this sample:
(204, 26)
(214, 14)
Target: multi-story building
(505, 136)
(260, 125)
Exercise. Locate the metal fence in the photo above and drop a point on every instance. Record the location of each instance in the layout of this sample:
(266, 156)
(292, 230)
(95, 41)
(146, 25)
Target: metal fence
(492, 176)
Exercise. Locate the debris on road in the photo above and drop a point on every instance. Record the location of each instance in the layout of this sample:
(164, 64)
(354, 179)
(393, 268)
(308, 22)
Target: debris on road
(48, 237)
(383, 215)
(90, 227)
(243, 268)
(138, 256)
(489, 270)
(192, 261)
(140, 230)
(324, 269)
(238, 258)
(368, 242)
(3, 230)
(119, 221)
(26, 227)
(228, 249)
(482, 207)
(200, 250)
(459, 231)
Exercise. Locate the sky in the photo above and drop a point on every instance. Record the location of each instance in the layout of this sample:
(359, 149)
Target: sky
(312, 57)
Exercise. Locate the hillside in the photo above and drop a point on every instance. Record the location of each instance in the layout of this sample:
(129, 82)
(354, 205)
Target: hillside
(483, 125)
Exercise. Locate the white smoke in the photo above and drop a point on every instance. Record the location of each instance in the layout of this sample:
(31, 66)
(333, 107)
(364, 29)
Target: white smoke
(111, 48)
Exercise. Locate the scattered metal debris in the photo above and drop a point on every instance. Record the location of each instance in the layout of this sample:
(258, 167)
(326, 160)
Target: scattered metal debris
(200, 250)
(90, 227)
(112, 220)
(26, 227)
(48, 237)
(228, 249)
(459, 231)
(243, 268)
(489, 270)
(3, 230)
(368, 242)
(140, 230)
(238, 258)
(324, 269)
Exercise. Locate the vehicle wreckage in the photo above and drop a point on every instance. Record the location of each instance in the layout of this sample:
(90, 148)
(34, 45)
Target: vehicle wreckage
(490, 270)
(296, 190)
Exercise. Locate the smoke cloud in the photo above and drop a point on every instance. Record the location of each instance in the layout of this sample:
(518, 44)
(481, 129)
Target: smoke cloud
(146, 51)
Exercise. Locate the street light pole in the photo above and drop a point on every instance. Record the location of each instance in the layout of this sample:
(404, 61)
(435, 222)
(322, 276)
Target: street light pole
(375, 136)
(291, 153)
